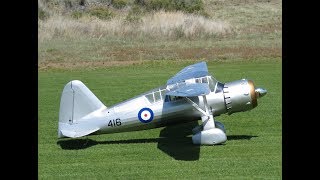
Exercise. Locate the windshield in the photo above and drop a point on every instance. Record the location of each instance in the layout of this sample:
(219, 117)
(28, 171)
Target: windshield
(212, 83)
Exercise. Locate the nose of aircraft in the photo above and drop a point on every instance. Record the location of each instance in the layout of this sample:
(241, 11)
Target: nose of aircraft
(260, 92)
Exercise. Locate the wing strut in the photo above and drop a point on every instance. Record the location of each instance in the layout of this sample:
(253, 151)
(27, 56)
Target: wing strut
(207, 117)
(209, 122)
(195, 105)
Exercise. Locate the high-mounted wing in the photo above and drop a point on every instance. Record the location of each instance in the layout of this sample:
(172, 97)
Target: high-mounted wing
(180, 84)
(189, 90)
(192, 71)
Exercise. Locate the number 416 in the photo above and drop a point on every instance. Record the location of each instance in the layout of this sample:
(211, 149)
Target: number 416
(114, 123)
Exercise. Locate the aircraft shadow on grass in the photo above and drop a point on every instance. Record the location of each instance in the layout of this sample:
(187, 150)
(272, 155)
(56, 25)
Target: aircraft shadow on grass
(174, 140)
(240, 137)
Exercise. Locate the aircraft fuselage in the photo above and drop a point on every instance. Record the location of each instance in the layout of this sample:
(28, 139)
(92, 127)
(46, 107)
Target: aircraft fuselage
(191, 95)
(130, 115)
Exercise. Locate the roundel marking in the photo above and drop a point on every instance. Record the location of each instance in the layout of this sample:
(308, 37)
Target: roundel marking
(145, 115)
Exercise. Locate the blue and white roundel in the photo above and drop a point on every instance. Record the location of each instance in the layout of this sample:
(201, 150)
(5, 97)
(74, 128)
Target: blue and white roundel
(145, 115)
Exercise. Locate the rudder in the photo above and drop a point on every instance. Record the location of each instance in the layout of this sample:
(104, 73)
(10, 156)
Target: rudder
(76, 102)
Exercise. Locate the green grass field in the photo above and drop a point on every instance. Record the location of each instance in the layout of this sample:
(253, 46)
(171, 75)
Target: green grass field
(253, 149)
(117, 65)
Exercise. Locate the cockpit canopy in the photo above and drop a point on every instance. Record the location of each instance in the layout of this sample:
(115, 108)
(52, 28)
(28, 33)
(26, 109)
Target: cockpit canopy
(211, 81)
(156, 95)
(159, 94)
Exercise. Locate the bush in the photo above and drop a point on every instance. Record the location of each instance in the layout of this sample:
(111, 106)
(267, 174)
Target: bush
(101, 13)
(119, 4)
(42, 14)
(192, 6)
(158, 4)
(69, 4)
(189, 6)
(76, 14)
(134, 15)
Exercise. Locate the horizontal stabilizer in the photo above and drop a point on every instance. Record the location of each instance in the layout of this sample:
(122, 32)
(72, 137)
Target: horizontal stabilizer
(77, 130)
(192, 71)
(189, 90)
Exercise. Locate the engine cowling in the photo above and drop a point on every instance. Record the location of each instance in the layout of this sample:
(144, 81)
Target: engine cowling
(241, 95)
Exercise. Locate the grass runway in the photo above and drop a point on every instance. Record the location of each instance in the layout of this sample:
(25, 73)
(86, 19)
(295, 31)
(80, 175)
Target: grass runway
(252, 151)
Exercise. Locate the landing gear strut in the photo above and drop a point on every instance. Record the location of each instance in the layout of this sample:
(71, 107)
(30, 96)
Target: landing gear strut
(209, 132)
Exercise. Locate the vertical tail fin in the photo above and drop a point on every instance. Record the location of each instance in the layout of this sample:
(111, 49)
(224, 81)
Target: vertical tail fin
(76, 102)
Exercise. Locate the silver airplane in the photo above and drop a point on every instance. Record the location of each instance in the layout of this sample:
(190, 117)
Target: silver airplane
(190, 95)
